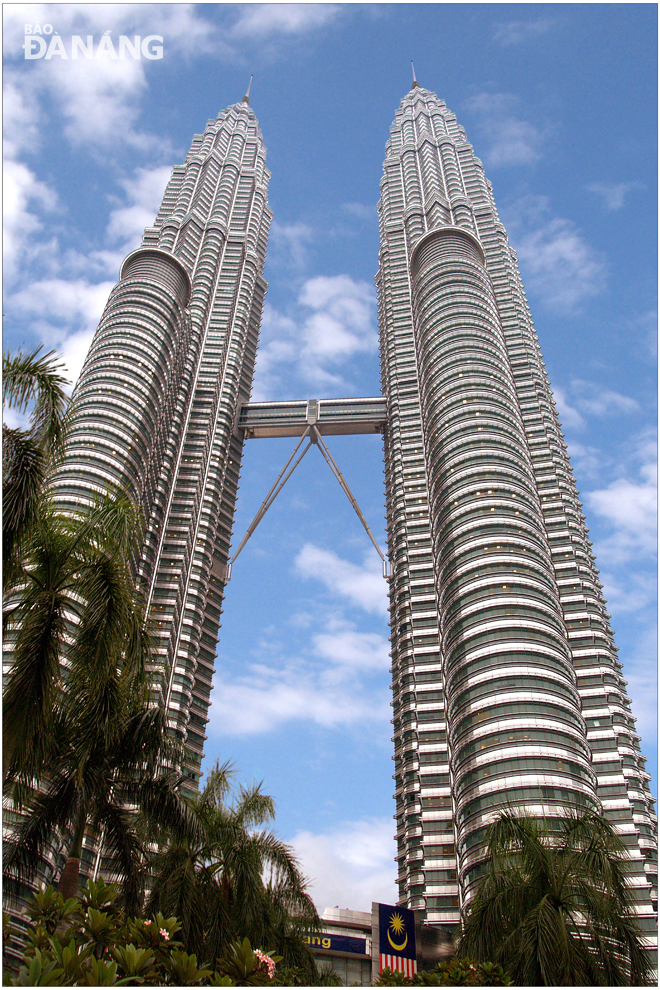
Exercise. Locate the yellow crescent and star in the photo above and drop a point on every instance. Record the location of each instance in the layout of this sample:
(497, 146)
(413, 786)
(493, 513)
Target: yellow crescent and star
(397, 925)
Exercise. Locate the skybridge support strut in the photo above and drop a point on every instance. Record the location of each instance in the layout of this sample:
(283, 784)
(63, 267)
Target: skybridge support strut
(349, 495)
(314, 436)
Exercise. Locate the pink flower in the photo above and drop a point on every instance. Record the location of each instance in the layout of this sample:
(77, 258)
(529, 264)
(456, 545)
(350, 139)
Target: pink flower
(165, 934)
(147, 922)
(266, 961)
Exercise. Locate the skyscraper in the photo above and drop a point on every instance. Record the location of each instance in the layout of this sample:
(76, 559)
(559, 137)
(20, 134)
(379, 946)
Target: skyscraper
(507, 687)
(157, 398)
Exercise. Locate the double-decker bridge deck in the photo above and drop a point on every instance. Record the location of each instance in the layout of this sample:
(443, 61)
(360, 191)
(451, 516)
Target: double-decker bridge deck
(331, 417)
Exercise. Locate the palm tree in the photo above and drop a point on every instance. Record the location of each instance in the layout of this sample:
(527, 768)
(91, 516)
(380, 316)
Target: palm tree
(28, 458)
(83, 743)
(81, 735)
(554, 906)
(109, 783)
(28, 455)
(235, 880)
(72, 608)
(103, 775)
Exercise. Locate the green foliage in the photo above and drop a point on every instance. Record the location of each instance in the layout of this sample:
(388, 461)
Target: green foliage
(450, 973)
(76, 708)
(28, 455)
(244, 967)
(70, 958)
(72, 943)
(39, 971)
(86, 750)
(392, 978)
(214, 882)
(100, 973)
(295, 976)
(77, 715)
(100, 895)
(138, 964)
(184, 969)
(555, 906)
(50, 909)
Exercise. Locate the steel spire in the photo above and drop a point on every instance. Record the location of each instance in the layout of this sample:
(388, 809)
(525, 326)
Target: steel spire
(415, 83)
(246, 98)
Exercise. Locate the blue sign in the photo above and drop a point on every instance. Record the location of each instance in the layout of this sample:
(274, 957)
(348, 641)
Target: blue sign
(396, 926)
(336, 943)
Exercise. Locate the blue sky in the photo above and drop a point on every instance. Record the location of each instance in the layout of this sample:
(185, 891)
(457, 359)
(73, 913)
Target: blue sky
(559, 101)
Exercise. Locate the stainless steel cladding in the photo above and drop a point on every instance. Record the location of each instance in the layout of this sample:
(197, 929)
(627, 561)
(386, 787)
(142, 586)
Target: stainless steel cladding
(169, 366)
(507, 688)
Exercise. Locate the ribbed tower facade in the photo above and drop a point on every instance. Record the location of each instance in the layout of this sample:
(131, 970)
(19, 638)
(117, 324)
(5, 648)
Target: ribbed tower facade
(158, 398)
(507, 687)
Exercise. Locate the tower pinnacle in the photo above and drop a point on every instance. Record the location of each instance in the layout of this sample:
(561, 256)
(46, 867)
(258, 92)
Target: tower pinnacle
(246, 98)
(415, 83)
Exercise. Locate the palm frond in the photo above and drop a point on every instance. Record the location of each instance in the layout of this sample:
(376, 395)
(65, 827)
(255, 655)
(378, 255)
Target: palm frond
(50, 813)
(24, 472)
(124, 858)
(33, 682)
(30, 378)
(554, 904)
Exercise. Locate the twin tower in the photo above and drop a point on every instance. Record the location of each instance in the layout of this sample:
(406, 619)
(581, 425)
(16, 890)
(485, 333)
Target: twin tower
(507, 687)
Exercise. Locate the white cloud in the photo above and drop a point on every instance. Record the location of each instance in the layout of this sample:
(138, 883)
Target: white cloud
(73, 348)
(629, 507)
(100, 101)
(181, 25)
(267, 699)
(351, 865)
(586, 459)
(613, 194)
(513, 141)
(145, 192)
(339, 680)
(100, 98)
(641, 668)
(20, 119)
(597, 401)
(355, 649)
(645, 327)
(363, 586)
(560, 265)
(22, 193)
(568, 416)
(289, 243)
(581, 399)
(259, 19)
(330, 694)
(518, 32)
(331, 324)
(75, 301)
(634, 593)
(556, 261)
(67, 313)
(15, 420)
(360, 210)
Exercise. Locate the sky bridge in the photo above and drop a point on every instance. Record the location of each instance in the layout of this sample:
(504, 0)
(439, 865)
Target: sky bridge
(330, 417)
(310, 419)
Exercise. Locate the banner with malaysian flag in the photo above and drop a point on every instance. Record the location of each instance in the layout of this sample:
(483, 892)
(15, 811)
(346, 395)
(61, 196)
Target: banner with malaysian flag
(396, 931)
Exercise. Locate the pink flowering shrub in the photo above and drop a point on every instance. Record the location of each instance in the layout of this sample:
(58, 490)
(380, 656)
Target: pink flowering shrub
(266, 962)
